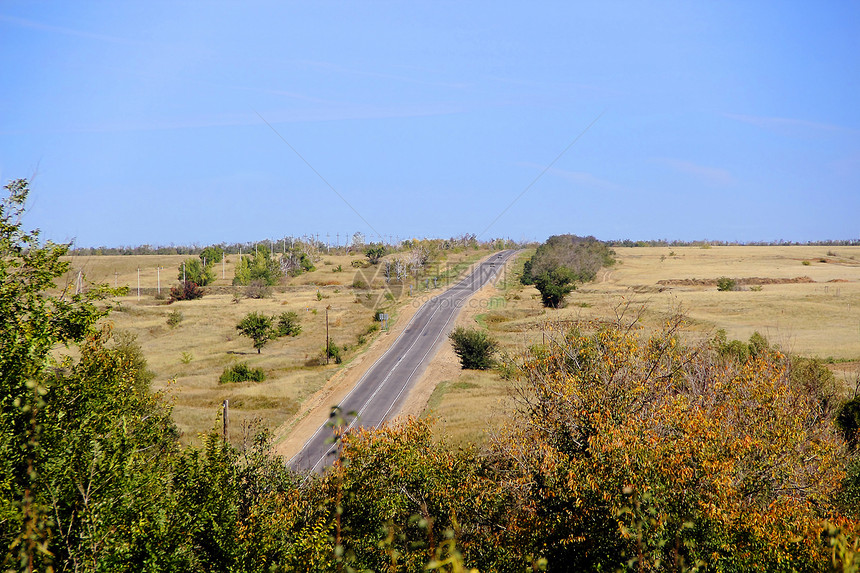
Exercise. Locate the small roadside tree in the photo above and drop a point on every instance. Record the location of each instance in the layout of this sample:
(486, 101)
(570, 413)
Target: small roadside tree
(474, 347)
(257, 327)
(554, 285)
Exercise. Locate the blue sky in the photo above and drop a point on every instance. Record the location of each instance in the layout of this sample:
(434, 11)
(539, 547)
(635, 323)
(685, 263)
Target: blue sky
(149, 122)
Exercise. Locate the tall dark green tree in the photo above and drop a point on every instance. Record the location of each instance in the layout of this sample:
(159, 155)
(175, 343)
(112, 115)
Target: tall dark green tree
(562, 262)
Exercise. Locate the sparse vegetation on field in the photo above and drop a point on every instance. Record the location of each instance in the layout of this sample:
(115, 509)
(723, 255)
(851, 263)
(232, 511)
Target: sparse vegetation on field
(174, 318)
(726, 284)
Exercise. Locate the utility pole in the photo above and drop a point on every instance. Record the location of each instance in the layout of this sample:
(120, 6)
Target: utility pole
(158, 276)
(326, 334)
(138, 283)
(115, 279)
(183, 273)
(223, 262)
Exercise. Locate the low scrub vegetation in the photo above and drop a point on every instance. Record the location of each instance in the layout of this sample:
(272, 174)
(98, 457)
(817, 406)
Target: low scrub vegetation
(241, 372)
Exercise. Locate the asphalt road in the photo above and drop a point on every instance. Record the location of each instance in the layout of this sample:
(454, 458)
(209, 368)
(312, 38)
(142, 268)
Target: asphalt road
(378, 396)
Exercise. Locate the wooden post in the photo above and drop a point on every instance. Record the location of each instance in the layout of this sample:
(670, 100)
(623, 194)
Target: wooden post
(225, 418)
(326, 334)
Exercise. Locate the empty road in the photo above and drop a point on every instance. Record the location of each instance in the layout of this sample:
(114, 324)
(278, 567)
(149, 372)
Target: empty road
(378, 396)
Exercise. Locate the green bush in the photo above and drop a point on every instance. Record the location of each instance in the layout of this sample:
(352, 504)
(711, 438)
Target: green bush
(726, 284)
(241, 372)
(848, 422)
(333, 351)
(288, 324)
(474, 347)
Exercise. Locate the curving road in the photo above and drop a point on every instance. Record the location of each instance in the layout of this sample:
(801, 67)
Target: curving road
(378, 396)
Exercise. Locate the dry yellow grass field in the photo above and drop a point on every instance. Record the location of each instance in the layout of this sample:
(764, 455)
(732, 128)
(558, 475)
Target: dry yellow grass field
(189, 357)
(815, 319)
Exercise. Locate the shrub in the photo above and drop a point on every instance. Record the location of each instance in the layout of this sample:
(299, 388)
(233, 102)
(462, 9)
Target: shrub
(848, 421)
(257, 289)
(474, 347)
(359, 284)
(174, 318)
(241, 372)
(726, 284)
(187, 291)
(333, 351)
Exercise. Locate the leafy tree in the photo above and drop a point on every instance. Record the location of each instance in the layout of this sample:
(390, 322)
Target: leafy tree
(374, 252)
(288, 324)
(259, 267)
(211, 255)
(646, 452)
(257, 327)
(474, 347)
(81, 440)
(563, 261)
(554, 285)
(192, 270)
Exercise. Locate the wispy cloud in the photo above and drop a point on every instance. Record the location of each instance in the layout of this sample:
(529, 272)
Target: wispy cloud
(277, 116)
(787, 125)
(580, 177)
(708, 174)
(33, 25)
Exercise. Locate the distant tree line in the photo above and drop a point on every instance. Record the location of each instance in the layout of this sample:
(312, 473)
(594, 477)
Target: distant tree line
(310, 245)
(701, 243)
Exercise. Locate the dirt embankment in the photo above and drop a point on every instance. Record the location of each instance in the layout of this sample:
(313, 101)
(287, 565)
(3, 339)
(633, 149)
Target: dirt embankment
(741, 281)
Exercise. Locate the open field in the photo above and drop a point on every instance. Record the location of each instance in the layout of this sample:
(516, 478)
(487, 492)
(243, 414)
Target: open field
(188, 358)
(817, 315)
(819, 318)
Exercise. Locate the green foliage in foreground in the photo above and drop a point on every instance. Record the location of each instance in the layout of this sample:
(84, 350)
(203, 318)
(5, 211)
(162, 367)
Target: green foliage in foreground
(474, 347)
(631, 451)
